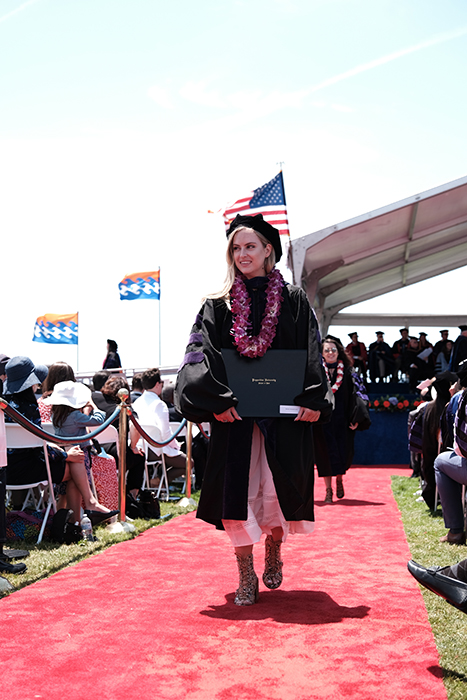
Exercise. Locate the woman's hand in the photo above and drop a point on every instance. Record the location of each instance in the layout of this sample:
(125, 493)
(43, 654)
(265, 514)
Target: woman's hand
(227, 416)
(308, 415)
(353, 426)
(75, 454)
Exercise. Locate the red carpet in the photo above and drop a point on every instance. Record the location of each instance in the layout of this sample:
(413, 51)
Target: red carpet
(154, 618)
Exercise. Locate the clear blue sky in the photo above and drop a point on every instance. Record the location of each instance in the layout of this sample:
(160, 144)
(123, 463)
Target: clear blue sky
(123, 121)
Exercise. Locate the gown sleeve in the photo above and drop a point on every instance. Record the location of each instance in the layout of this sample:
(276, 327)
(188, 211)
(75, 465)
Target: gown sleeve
(201, 388)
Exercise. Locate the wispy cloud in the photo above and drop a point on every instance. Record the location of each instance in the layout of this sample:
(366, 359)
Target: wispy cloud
(198, 92)
(20, 8)
(364, 67)
(160, 96)
(254, 105)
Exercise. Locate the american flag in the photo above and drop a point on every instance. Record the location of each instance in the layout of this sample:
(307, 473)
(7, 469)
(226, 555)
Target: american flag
(268, 200)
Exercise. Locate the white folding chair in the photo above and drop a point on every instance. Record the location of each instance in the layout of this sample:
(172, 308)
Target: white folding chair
(157, 461)
(173, 428)
(19, 438)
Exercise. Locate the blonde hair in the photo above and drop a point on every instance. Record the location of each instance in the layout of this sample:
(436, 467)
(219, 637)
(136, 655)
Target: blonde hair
(231, 269)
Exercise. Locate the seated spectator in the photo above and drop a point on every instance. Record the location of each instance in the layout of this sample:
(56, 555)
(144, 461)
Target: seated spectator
(152, 411)
(28, 465)
(58, 372)
(136, 386)
(459, 350)
(98, 381)
(3, 360)
(380, 358)
(72, 413)
(134, 459)
(431, 432)
(449, 582)
(451, 471)
(112, 360)
(397, 352)
(357, 353)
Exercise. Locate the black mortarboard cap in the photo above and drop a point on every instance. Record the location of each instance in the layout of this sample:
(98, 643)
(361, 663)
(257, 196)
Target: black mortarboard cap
(257, 223)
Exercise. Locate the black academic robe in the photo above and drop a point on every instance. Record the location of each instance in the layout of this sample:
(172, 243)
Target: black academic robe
(334, 441)
(202, 390)
(459, 352)
(379, 351)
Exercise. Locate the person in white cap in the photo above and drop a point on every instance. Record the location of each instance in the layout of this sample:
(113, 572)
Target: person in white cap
(73, 411)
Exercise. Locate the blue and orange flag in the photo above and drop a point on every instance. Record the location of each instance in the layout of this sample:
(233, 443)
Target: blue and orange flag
(61, 329)
(140, 285)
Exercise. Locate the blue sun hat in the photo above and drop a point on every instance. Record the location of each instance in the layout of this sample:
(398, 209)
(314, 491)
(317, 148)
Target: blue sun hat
(21, 374)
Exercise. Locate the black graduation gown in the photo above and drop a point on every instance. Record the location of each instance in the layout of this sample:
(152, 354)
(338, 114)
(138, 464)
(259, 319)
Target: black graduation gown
(334, 441)
(459, 352)
(379, 351)
(202, 390)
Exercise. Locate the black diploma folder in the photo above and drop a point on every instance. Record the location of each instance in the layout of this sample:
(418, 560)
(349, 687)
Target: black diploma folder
(266, 386)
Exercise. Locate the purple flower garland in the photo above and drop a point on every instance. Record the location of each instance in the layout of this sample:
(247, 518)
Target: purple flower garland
(255, 346)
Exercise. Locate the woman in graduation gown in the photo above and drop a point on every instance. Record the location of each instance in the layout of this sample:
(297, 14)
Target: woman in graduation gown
(259, 471)
(334, 442)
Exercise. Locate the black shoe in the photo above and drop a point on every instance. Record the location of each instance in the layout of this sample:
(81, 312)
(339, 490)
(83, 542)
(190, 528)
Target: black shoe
(451, 589)
(7, 568)
(96, 517)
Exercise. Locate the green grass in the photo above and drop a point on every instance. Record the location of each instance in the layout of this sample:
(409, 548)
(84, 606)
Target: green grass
(49, 557)
(423, 530)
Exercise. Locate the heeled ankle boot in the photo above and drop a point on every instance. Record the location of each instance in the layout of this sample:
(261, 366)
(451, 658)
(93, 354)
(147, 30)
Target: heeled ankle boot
(328, 498)
(272, 576)
(339, 488)
(247, 591)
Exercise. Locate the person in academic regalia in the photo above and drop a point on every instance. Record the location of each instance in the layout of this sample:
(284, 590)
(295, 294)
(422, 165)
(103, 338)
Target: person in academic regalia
(357, 353)
(334, 441)
(459, 351)
(380, 358)
(259, 471)
(413, 366)
(440, 346)
(397, 352)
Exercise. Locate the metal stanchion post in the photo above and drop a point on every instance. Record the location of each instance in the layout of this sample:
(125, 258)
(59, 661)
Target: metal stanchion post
(122, 525)
(187, 500)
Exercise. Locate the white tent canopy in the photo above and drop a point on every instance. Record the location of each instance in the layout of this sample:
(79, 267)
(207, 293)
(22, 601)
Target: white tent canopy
(375, 253)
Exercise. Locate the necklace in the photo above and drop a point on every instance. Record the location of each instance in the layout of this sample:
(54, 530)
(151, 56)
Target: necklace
(339, 376)
(255, 346)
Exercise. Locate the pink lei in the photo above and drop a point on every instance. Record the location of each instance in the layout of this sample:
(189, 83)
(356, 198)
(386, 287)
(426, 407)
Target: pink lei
(255, 346)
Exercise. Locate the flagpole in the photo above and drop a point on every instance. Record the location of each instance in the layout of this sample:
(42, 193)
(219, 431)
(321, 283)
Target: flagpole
(290, 240)
(77, 345)
(160, 337)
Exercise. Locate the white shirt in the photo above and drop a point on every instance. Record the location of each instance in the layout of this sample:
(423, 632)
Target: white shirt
(153, 415)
